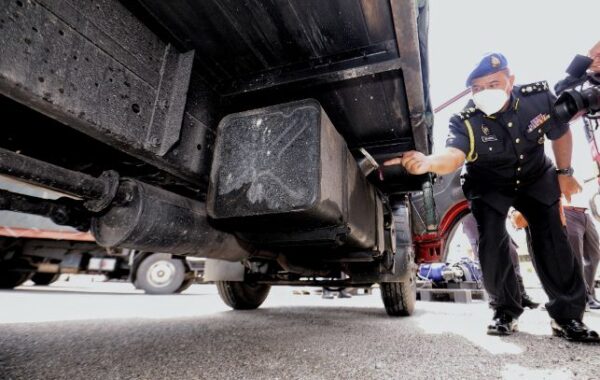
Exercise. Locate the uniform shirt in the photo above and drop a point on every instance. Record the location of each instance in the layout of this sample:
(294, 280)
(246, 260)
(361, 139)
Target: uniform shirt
(505, 151)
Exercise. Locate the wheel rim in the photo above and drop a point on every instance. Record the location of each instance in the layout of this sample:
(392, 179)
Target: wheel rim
(161, 273)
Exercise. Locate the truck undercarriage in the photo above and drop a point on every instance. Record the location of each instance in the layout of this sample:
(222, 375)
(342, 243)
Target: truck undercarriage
(225, 129)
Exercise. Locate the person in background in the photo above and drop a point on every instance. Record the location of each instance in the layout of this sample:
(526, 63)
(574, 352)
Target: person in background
(584, 242)
(594, 54)
(586, 246)
(330, 294)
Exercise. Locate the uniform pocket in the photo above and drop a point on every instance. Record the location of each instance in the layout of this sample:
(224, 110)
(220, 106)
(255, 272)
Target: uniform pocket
(537, 135)
(489, 147)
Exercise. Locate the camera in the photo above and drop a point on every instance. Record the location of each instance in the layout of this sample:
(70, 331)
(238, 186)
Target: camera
(573, 102)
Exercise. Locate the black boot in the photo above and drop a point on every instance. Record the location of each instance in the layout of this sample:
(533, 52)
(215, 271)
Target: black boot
(574, 330)
(503, 324)
(526, 301)
(343, 293)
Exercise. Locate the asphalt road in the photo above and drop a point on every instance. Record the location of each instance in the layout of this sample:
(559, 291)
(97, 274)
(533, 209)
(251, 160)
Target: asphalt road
(85, 330)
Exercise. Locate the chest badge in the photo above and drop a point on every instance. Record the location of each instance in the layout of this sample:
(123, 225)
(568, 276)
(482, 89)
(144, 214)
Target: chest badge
(537, 121)
(486, 135)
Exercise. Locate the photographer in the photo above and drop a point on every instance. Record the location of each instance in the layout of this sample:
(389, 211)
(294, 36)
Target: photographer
(500, 134)
(582, 70)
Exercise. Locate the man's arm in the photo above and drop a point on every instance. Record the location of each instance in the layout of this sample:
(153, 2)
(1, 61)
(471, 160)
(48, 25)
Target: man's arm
(445, 162)
(563, 148)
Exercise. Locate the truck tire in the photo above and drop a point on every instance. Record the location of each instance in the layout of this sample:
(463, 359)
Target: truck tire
(42, 279)
(186, 284)
(399, 298)
(160, 273)
(242, 295)
(10, 279)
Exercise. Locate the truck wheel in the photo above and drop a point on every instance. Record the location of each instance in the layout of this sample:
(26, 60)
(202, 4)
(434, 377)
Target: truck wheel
(399, 298)
(10, 279)
(186, 284)
(160, 273)
(242, 295)
(44, 278)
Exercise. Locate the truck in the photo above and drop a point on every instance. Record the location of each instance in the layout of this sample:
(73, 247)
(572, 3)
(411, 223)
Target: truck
(44, 260)
(40, 250)
(250, 133)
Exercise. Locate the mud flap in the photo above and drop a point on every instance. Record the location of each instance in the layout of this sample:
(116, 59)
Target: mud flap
(221, 270)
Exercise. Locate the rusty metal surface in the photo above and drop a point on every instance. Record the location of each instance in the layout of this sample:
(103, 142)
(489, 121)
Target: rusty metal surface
(269, 38)
(158, 92)
(95, 67)
(407, 37)
(361, 59)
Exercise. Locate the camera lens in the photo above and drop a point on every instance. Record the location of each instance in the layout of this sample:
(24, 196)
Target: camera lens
(568, 105)
(591, 98)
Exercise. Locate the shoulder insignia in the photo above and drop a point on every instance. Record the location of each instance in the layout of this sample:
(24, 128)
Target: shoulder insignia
(534, 88)
(467, 113)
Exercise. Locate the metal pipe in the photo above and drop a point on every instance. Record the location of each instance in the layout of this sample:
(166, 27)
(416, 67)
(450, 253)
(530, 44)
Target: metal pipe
(452, 100)
(43, 174)
(63, 211)
(431, 218)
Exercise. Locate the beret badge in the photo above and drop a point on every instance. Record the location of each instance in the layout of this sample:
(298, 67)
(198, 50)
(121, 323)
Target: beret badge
(494, 61)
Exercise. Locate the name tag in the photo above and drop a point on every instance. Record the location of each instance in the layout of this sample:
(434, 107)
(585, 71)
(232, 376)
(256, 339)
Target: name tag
(489, 138)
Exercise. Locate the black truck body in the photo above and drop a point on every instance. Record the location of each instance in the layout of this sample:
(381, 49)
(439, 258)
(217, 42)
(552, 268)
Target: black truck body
(227, 129)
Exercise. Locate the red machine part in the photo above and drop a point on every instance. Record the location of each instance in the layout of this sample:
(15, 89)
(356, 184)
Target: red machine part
(34, 233)
(429, 247)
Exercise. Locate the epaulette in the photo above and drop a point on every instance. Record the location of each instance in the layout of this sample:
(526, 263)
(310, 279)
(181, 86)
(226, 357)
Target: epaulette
(534, 88)
(467, 113)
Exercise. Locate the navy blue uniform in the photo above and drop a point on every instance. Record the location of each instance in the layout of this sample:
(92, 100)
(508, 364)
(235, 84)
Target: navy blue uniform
(507, 166)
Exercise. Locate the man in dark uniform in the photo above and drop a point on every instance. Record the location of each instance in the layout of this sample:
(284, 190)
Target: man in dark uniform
(500, 134)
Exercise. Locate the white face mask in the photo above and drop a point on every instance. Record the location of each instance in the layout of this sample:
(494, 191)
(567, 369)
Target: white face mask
(490, 101)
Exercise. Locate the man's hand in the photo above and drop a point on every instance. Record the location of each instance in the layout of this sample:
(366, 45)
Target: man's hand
(568, 186)
(517, 220)
(594, 54)
(445, 162)
(414, 162)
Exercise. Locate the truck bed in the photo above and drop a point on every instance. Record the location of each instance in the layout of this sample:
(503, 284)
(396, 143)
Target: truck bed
(153, 78)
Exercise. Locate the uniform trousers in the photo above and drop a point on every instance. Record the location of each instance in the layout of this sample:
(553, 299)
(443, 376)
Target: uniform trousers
(552, 257)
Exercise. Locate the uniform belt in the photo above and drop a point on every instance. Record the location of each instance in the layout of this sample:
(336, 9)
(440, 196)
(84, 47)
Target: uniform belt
(573, 208)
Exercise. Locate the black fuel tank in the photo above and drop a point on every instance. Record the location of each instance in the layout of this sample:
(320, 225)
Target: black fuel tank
(284, 175)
